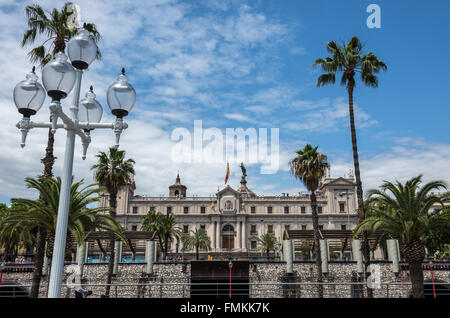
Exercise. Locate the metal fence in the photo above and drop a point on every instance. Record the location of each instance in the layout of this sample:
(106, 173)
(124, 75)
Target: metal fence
(238, 290)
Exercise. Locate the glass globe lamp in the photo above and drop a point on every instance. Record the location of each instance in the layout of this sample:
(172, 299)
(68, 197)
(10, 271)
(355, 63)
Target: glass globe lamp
(90, 111)
(82, 49)
(58, 77)
(29, 95)
(121, 96)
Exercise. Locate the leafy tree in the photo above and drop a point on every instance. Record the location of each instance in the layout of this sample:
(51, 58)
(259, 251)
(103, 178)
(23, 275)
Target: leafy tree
(402, 211)
(268, 242)
(112, 172)
(309, 166)
(438, 241)
(198, 239)
(348, 59)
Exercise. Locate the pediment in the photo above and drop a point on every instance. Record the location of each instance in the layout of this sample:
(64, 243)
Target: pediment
(339, 181)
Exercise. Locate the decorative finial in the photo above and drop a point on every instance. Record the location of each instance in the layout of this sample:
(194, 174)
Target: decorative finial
(123, 70)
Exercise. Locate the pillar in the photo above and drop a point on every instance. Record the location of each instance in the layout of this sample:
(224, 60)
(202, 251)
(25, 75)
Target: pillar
(287, 255)
(150, 255)
(324, 255)
(117, 255)
(81, 256)
(357, 255)
(393, 255)
(217, 236)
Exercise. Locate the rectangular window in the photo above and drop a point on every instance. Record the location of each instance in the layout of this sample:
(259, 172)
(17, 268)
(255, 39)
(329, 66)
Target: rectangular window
(203, 209)
(203, 227)
(185, 229)
(253, 229)
(169, 209)
(253, 245)
(270, 228)
(269, 209)
(303, 209)
(253, 209)
(286, 210)
(320, 227)
(319, 210)
(135, 210)
(186, 210)
(303, 227)
(286, 227)
(152, 209)
(341, 207)
(343, 227)
(134, 227)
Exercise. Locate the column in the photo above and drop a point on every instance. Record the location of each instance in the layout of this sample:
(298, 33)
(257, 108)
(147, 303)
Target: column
(244, 236)
(393, 256)
(357, 255)
(324, 255)
(81, 256)
(150, 247)
(287, 255)
(214, 235)
(218, 236)
(239, 236)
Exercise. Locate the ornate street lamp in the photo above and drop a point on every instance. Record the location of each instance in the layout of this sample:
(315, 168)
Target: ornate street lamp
(59, 77)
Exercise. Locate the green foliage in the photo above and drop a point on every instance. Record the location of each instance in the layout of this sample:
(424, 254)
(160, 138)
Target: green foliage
(56, 30)
(268, 242)
(112, 170)
(28, 214)
(164, 227)
(309, 167)
(198, 239)
(346, 58)
(402, 210)
(439, 240)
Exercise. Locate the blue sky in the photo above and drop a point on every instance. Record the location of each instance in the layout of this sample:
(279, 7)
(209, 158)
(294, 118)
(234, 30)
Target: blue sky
(249, 64)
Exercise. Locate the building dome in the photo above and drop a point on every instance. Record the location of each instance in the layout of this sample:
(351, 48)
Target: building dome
(245, 192)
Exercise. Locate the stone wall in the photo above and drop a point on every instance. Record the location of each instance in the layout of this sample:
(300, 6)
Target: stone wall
(266, 281)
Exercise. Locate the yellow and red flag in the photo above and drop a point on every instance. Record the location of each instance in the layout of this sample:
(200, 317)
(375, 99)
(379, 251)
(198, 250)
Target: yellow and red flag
(228, 173)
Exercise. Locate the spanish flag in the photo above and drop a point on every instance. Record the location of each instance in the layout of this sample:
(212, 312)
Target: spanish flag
(228, 173)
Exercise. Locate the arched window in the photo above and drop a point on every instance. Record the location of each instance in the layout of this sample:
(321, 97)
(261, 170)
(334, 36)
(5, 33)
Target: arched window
(177, 192)
(228, 228)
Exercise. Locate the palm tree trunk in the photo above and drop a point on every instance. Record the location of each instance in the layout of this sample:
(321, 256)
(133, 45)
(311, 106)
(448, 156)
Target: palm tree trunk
(48, 162)
(414, 253)
(196, 251)
(359, 190)
(113, 205)
(100, 246)
(38, 263)
(315, 219)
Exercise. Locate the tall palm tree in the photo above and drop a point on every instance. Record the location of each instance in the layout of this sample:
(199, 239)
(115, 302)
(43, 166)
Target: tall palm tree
(309, 166)
(268, 242)
(112, 172)
(169, 231)
(56, 32)
(151, 222)
(402, 211)
(349, 60)
(198, 239)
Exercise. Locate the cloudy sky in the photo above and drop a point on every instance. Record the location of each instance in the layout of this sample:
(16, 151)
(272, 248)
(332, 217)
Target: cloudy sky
(246, 64)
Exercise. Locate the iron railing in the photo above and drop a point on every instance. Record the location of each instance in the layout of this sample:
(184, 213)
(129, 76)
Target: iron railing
(250, 290)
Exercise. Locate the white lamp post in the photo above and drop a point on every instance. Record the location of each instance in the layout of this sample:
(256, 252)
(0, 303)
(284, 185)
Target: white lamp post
(59, 77)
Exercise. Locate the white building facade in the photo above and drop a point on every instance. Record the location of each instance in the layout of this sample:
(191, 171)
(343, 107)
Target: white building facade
(235, 219)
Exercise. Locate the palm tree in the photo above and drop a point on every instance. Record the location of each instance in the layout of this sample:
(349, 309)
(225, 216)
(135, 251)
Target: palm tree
(402, 212)
(348, 59)
(42, 213)
(310, 167)
(268, 242)
(168, 231)
(198, 239)
(56, 31)
(112, 172)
